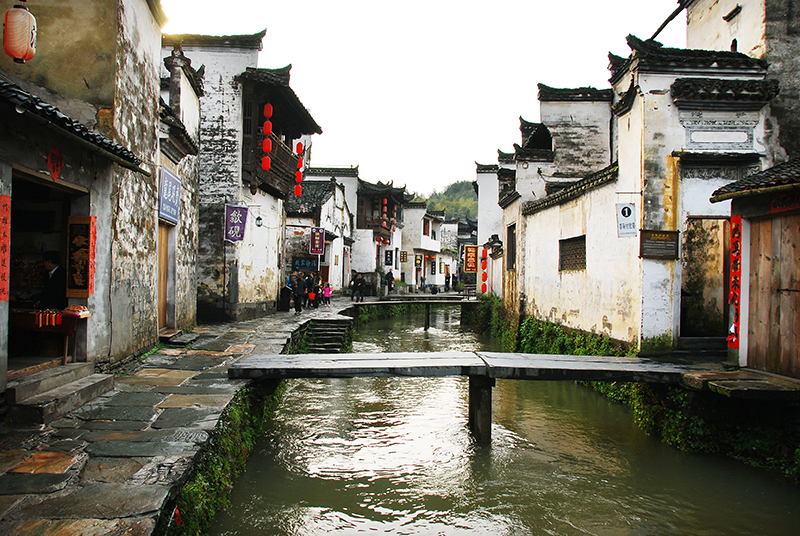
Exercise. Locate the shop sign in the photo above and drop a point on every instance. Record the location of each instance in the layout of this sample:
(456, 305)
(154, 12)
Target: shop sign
(317, 243)
(82, 238)
(169, 196)
(736, 279)
(235, 220)
(471, 259)
(5, 244)
(305, 264)
(404, 256)
(784, 201)
(388, 258)
(418, 261)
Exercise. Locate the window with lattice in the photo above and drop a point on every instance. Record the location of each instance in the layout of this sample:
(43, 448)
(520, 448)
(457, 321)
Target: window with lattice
(572, 253)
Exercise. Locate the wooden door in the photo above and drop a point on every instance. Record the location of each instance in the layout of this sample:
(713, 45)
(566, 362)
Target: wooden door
(774, 316)
(163, 269)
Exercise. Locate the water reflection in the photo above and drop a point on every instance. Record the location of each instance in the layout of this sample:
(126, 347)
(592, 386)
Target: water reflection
(393, 455)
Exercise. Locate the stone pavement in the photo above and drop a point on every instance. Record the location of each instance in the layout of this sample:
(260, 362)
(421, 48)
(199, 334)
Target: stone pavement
(108, 467)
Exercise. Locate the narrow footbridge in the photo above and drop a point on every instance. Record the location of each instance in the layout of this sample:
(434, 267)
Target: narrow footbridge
(482, 368)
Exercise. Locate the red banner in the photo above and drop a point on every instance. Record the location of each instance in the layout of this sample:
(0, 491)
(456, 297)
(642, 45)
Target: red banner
(82, 236)
(736, 278)
(5, 244)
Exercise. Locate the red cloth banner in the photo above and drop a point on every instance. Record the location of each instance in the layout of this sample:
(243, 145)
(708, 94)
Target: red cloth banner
(5, 244)
(736, 279)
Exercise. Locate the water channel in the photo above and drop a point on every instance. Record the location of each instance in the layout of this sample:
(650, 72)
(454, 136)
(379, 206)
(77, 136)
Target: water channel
(394, 456)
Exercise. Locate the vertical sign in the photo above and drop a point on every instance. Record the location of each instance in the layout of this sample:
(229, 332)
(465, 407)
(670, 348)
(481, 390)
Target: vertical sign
(736, 278)
(235, 220)
(82, 238)
(5, 244)
(418, 261)
(317, 244)
(471, 259)
(388, 257)
(404, 256)
(169, 196)
(626, 220)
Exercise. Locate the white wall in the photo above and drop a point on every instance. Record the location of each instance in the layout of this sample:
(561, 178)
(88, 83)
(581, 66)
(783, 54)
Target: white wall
(707, 29)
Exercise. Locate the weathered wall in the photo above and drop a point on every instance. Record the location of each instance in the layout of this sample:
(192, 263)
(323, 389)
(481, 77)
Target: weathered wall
(490, 215)
(707, 29)
(335, 216)
(581, 135)
(78, 38)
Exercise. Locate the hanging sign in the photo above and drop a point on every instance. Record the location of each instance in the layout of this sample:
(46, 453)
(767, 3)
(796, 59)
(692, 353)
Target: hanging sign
(55, 162)
(235, 220)
(417, 261)
(82, 238)
(5, 244)
(626, 220)
(388, 258)
(404, 256)
(317, 243)
(736, 278)
(169, 196)
(471, 259)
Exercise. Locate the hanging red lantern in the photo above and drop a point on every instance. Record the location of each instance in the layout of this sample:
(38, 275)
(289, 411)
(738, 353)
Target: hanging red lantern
(394, 229)
(298, 190)
(267, 110)
(299, 147)
(483, 288)
(267, 128)
(485, 253)
(19, 33)
(483, 264)
(300, 163)
(484, 276)
(266, 163)
(298, 176)
(266, 145)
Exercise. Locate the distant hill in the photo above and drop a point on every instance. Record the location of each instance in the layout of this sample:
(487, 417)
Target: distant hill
(458, 200)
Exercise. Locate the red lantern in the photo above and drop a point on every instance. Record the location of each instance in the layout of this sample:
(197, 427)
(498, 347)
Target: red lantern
(394, 229)
(299, 147)
(300, 163)
(266, 145)
(266, 163)
(267, 128)
(484, 276)
(19, 35)
(267, 110)
(485, 253)
(483, 288)
(298, 176)
(483, 264)
(298, 190)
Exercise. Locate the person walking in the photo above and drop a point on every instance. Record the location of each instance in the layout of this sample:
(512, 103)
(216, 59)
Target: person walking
(359, 286)
(326, 294)
(389, 282)
(298, 286)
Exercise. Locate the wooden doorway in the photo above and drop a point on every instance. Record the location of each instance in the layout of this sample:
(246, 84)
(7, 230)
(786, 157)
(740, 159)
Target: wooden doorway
(704, 283)
(163, 274)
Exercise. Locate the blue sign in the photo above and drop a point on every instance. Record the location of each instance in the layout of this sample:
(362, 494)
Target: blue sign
(169, 196)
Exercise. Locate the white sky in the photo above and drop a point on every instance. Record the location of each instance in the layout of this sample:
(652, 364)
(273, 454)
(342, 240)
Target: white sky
(417, 92)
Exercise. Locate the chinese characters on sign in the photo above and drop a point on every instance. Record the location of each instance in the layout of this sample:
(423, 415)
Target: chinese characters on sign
(658, 245)
(626, 220)
(418, 261)
(235, 220)
(5, 243)
(305, 264)
(471, 259)
(388, 258)
(169, 196)
(404, 256)
(784, 201)
(55, 162)
(317, 244)
(736, 278)
(80, 256)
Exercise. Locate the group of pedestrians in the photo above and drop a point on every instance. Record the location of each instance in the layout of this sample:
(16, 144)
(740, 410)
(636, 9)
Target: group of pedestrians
(308, 290)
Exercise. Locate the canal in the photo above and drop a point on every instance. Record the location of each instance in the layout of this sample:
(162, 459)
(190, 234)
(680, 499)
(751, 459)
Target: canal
(394, 456)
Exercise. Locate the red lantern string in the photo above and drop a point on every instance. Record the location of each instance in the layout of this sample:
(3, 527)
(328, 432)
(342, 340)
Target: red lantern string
(266, 145)
(298, 190)
(483, 288)
(266, 163)
(298, 176)
(485, 253)
(483, 264)
(300, 163)
(267, 110)
(267, 128)
(484, 276)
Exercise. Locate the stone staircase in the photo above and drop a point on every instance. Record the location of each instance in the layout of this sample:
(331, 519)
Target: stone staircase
(328, 336)
(45, 396)
(706, 349)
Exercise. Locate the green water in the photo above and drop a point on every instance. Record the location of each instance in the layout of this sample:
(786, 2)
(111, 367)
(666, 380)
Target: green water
(393, 456)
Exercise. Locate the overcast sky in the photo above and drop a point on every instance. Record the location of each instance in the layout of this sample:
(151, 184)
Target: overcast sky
(416, 92)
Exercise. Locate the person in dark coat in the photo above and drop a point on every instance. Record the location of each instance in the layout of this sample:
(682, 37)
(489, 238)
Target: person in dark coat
(359, 287)
(54, 293)
(298, 287)
(389, 281)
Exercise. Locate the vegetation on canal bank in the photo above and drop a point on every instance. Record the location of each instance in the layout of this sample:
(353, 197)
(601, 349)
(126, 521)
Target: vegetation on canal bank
(363, 315)
(761, 434)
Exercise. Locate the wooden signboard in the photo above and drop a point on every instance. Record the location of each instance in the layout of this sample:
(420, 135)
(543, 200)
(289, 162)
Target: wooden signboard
(82, 236)
(658, 245)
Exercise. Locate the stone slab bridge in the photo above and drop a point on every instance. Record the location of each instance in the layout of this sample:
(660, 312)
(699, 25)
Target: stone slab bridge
(482, 368)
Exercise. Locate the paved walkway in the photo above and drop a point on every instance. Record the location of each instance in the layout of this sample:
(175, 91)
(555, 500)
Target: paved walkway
(108, 466)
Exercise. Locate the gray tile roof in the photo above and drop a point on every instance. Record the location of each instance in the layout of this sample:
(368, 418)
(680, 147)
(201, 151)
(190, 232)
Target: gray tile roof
(778, 177)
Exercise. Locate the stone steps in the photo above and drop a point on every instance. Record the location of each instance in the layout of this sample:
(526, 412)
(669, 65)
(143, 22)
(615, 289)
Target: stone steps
(45, 396)
(327, 336)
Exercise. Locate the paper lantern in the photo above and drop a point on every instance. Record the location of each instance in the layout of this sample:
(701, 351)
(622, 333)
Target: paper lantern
(19, 33)
(483, 288)
(267, 128)
(483, 264)
(484, 276)
(298, 176)
(266, 145)
(299, 147)
(300, 163)
(298, 190)
(485, 253)
(267, 110)
(266, 163)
